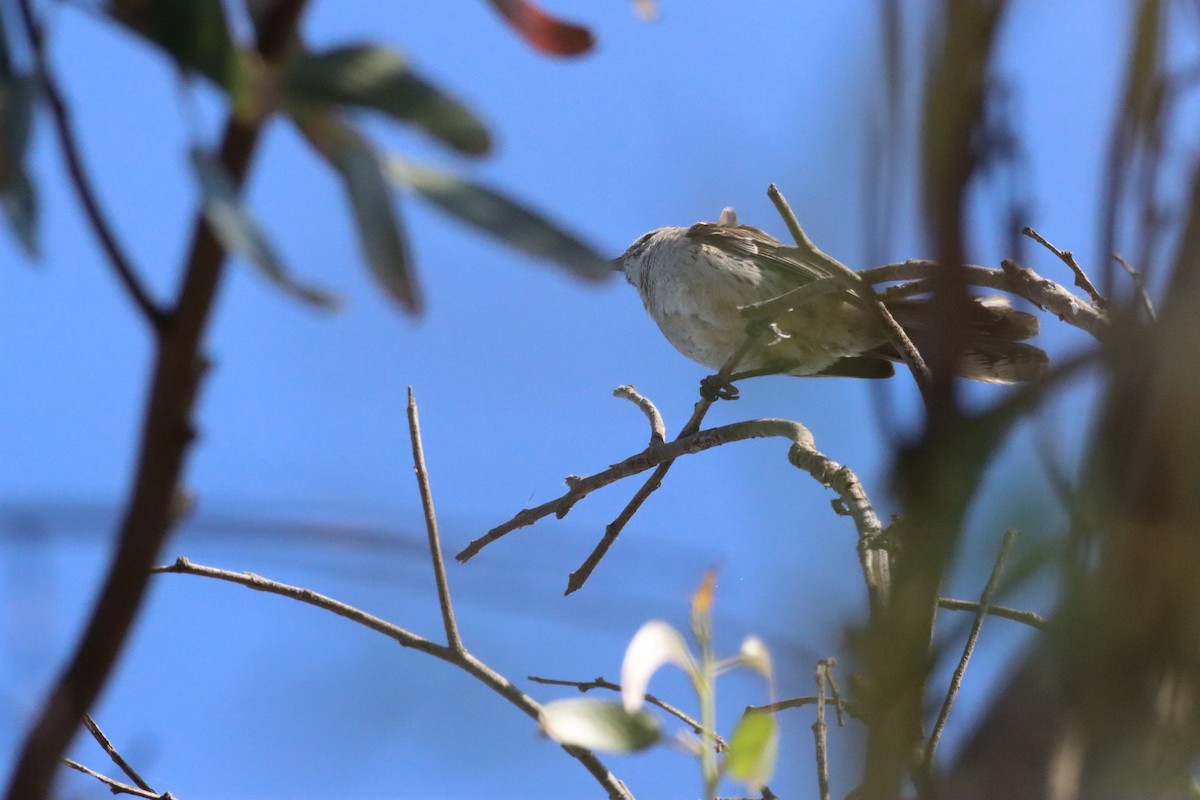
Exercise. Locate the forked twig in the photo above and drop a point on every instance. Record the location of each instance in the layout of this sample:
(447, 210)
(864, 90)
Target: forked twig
(115, 786)
(985, 601)
(116, 757)
(1068, 258)
(435, 545)
(460, 658)
(1030, 618)
(802, 454)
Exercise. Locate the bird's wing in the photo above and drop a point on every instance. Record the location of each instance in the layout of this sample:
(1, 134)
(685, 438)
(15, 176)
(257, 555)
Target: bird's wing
(760, 247)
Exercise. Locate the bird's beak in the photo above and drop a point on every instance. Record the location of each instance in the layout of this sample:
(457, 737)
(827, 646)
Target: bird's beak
(617, 264)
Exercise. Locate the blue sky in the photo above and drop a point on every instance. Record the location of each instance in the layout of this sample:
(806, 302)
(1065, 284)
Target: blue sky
(224, 693)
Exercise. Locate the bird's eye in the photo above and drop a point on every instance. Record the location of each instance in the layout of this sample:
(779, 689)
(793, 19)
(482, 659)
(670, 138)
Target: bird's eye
(639, 245)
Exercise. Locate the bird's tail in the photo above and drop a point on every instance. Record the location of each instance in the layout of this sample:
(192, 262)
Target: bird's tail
(994, 350)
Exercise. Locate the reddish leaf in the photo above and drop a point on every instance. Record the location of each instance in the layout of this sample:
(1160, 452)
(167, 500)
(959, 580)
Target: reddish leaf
(542, 31)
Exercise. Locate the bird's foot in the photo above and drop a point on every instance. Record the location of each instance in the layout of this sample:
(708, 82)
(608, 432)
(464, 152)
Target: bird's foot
(714, 388)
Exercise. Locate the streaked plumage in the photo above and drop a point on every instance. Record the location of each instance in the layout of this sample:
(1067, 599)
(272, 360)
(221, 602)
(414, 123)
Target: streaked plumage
(693, 280)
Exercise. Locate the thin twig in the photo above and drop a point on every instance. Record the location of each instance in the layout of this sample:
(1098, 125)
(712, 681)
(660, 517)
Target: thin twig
(460, 658)
(114, 785)
(579, 577)
(1030, 618)
(861, 288)
(658, 428)
(799, 702)
(431, 527)
(820, 730)
(985, 601)
(126, 273)
(108, 748)
(601, 683)
(839, 705)
(1068, 258)
(803, 455)
(1139, 285)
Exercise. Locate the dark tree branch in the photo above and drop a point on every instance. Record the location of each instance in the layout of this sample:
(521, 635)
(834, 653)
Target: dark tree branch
(167, 433)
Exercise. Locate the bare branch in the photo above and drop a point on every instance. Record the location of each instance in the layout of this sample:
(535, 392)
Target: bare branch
(658, 428)
(819, 730)
(579, 577)
(861, 288)
(985, 601)
(803, 454)
(1030, 618)
(460, 657)
(1068, 258)
(1139, 285)
(116, 787)
(165, 440)
(601, 683)
(118, 259)
(116, 757)
(431, 526)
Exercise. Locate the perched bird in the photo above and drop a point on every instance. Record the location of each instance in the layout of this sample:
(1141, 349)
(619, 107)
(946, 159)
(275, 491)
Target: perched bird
(693, 281)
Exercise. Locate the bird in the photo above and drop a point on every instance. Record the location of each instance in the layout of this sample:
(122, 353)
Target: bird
(693, 281)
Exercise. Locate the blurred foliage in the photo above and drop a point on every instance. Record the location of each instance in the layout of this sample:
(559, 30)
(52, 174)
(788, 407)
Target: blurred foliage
(318, 91)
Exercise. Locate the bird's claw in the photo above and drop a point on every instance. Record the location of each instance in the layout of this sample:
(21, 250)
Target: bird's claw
(714, 388)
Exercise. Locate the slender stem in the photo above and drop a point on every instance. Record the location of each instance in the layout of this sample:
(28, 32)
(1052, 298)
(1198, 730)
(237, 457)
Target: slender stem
(579, 577)
(820, 730)
(1029, 618)
(1068, 258)
(658, 428)
(116, 787)
(435, 544)
(118, 259)
(985, 602)
(116, 757)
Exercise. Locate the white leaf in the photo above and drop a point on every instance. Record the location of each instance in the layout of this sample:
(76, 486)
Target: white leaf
(598, 725)
(656, 643)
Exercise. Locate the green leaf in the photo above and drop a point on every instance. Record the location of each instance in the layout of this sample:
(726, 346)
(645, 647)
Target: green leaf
(503, 218)
(599, 725)
(377, 78)
(194, 32)
(362, 172)
(239, 233)
(656, 643)
(753, 748)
